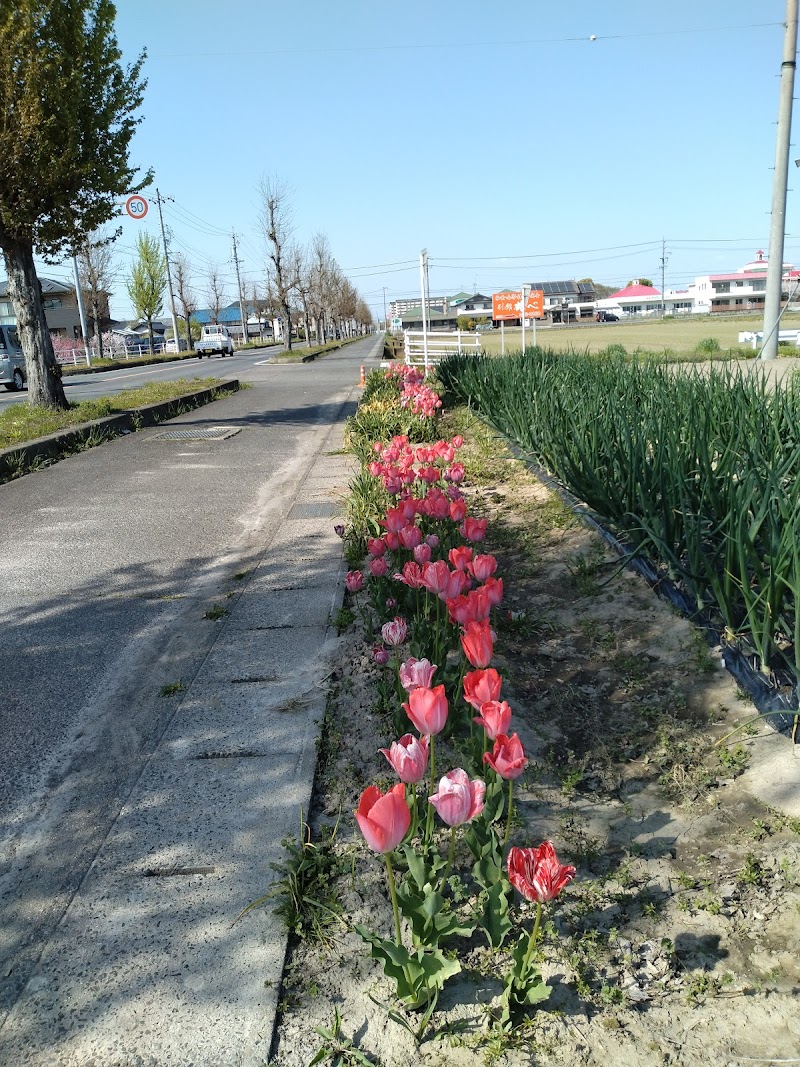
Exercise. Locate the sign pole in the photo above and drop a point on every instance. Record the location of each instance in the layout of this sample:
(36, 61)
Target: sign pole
(502, 337)
(81, 310)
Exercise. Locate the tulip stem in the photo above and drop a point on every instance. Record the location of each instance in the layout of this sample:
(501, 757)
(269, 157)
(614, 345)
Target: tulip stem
(411, 800)
(393, 890)
(451, 856)
(429, 818)
(533, 940)
(508, 816)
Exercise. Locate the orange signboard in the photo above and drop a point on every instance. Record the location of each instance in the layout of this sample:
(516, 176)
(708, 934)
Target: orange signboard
(507, 305)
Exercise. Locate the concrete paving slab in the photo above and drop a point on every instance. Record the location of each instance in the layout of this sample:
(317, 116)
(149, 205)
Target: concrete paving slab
(267, 608)
(773, 772)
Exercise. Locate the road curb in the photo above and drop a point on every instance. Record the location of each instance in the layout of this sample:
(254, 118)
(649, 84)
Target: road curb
(22, 458)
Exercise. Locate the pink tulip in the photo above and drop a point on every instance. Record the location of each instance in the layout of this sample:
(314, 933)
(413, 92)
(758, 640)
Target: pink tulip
(394, 632)
(507, 758)
(458, 800)
(427, 709)
(432, 540)
(493, 587)
(383, 819)
(480, 686)
(437, 506)
(378, 567)
(455, 473)
(495, 718)
(416, 672)
(354, 581)
(411, 576)
(458, 510)
(395, 520)
(435, 576)
(408, 757)
(410, 537)
(457, 441)
(478, 643)
(536, 872)
(482, 567)
(376, 546)
(422, 553)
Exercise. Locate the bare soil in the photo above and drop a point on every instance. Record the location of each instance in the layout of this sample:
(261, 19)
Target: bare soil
(677, 943)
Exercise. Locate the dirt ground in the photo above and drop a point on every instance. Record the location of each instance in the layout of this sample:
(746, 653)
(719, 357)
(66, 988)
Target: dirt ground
(678, 941)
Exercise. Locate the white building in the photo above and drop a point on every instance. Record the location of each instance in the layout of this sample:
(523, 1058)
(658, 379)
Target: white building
(743, 290)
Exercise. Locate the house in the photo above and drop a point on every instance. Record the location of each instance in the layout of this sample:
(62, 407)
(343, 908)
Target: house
(231, 316)
(475, 306)
(436, 320)
(60, 308)
(560, 297)
(634, 299)
(742, 290)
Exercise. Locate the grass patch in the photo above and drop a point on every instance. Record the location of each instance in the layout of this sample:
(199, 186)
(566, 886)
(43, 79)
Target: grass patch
(21, 423)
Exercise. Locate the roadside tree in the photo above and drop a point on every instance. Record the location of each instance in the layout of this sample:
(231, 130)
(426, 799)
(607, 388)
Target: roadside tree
(68, 115)
(97, 274)
(185, 293)
(215, 293)
(275, 217)
(147, 281)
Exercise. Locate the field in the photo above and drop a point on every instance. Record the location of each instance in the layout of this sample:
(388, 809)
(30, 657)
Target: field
(673, 335)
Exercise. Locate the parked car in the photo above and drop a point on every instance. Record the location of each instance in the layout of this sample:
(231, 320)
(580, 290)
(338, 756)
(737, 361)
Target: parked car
(12, 362)
(173, 346)
(606, 316)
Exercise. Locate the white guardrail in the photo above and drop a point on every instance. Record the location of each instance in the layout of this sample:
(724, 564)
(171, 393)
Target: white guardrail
(424, 348)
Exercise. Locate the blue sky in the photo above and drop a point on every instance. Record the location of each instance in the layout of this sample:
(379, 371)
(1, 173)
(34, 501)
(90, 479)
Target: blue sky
(504, 139)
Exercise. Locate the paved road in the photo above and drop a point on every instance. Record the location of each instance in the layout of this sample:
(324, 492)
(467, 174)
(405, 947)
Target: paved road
(89, 386)
(110, 561)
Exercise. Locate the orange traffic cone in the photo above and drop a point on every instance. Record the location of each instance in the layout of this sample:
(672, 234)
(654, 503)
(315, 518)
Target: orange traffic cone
(363, 378)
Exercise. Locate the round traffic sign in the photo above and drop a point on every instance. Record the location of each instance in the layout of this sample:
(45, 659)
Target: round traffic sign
(136, 206)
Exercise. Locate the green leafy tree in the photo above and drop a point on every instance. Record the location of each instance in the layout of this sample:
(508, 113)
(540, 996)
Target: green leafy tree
(67, 115)
(147, 281)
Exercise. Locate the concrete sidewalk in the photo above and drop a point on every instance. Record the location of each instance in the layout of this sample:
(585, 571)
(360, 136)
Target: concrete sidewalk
(145, 967)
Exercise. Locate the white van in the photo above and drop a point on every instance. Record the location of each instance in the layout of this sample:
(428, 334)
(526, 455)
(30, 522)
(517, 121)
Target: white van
(12, 362)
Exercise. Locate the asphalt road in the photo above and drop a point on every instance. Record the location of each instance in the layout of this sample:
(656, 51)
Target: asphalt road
(110, 561)
(90, 386)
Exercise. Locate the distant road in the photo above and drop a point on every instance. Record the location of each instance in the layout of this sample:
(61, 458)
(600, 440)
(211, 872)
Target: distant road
(90, 386)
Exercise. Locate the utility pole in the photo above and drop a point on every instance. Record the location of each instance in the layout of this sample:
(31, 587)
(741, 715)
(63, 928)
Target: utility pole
(423, 271)
(385, 320)
(175, 334)
(664, 258)
(772, 300)
(241, 298)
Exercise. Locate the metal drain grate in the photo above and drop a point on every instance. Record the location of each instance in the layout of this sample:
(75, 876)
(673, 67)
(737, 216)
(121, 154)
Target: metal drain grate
(210, 433)
(314, 509)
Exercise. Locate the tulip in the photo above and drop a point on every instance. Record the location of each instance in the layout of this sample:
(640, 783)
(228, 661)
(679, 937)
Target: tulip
(392, 541)
(408, 757)
(437, 506)
(459, 610)
(429, 475)
(478, 643)
(338, 529)
(473, 529)
(482, 567)
(435, 576)
(507, 758)
(481, 686)
(395, 520)
(538, 876)
(378, 567)
(460, 558)
(410, 537)
(458, 800)
(422, 553)
(393, 484)
(493, 588)
(376, 546)
(455, 473)
(394, 633)
(411, 576)
(415, 673)
(391, 603)
(383, 819)
(495, 718)
(536, 872)
(354, 581)
(432, 540)
(380, 655)
(458, 510)
(457, 441)
(427, 709)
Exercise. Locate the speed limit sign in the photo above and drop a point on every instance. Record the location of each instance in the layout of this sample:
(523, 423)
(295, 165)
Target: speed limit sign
(136, 206)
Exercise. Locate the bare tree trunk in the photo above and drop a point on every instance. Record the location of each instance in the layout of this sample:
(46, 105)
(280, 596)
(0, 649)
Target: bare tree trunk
(306, 319)
(44, 373)
(188, 321)
(287, 322)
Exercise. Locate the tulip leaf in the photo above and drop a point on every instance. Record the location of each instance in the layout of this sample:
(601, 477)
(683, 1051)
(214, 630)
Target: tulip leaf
(424, 871)
(496, 921)
(418, 975)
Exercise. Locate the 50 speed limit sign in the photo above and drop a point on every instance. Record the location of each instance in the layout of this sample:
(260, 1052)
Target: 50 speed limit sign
(136, 206)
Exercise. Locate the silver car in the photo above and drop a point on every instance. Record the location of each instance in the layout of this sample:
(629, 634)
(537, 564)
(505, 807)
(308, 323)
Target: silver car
(12, 361)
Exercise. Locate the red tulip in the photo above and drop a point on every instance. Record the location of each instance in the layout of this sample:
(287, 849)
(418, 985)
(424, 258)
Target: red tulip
(435, 576)
(376, 546)
(384, 820)
(436, 504)
(495, 718)
(507, 758)
(459, 800)
(411, 576)
(480, 686)
(408, 757)
(392, 540)
(410, 536)
(460, 557)
(473, 529)
(482, 567)
(536, 872)
(458, 510)
(478, 643)
(427, 709)
(395, 520)
(493, 588)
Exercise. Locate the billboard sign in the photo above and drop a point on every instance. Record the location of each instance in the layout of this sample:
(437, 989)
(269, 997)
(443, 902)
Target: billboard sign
(507, 305)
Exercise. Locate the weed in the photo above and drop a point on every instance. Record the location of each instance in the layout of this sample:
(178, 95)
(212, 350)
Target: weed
(342, 619)
(752, 873)
(708, 346)
(337, 1049)
(734, 760)
(215, 612)
(240, 576)
(171, 688)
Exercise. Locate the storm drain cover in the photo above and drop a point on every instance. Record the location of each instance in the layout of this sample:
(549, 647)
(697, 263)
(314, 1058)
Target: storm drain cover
(207, 433)
(314, 509)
